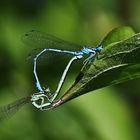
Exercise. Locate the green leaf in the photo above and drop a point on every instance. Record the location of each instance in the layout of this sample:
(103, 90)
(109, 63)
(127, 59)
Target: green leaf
(117, 63)
(117, 34)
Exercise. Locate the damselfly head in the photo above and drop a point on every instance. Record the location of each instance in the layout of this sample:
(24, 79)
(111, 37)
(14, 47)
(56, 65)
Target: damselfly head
(99, 48)
(40, 101)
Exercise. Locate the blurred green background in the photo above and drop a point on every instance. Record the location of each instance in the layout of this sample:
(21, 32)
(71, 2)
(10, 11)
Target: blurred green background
(111, 113)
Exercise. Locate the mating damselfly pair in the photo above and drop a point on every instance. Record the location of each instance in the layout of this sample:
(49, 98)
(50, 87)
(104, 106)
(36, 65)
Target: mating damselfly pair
(43, 98)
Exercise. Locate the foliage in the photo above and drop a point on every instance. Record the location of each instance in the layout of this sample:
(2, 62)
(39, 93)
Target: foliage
(110, 113)
(118, 62)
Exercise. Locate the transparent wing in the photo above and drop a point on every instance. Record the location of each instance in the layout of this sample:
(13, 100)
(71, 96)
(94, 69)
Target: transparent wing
(42, 40)
(10, 109)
